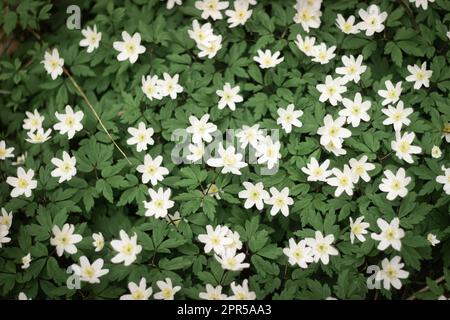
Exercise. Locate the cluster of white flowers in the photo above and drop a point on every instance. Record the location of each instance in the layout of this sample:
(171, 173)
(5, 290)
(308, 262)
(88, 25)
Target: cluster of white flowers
(5, 224)
(311, 250)
(141, 292)
(255, 195)
(207, 42)
(225, 243)
(240, 292)
(372, 21)
(308, 13)
(319, 53)
(155, 88)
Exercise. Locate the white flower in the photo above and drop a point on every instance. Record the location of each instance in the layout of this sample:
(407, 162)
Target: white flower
(268, 60)
(254, 194)
(3, 235)
(167, 290)
(446, 132)
(201, 33)
(391, 273)
(20, 160)
(53, 64)
(423, 3)
(403, 148)
(212, 293)
(289, 117)
(436, 152)
(172, 3)
(390, 235)
(250, 136)
(152, 170)
(64, 239)
(445, 179)
(89, 272)
(280, 201)
(140, 292)
(211, 47)
(33, 121)
(360, 168)
(306, 45)
(150, 87)
(159, 203)
(211, 8)
(212, 190)
(395, 185)
(298, 253)
(236, 243)
(39, 136)
(127, 249)
(352, 69)
(336, 150)
(215, 239)
(6, 218)
(308, 15)
(196, 152)
(321, 247)
(372, 20)
(358, 229)
(322, 54)
(4, 151)
(241, 292)
(347, 26)
(228, 160)
(141, 136)
(355, 110)
(92, 38)
(317, 171)
(69, 122)
(397, 116)
(432, 239)
(229, 260)
(130, 48)
(174, 219)
(23, 183)
(65, 167)
(391, 94)
(26, 260)
(239, 15)
(342, 180)
(420, 76)
(229, 97)
(331, 90)
(99, 241)
(268, 152)
(169, 86)
(23, 296)
(333, 132)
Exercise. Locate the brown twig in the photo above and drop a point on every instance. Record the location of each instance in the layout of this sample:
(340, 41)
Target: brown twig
(426, 288)
(410, 14)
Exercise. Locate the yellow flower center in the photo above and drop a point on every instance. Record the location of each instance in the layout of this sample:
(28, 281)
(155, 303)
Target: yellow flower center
(127, 249)
(22, 183)
(395, 185)
(89, 272)
(138, 295)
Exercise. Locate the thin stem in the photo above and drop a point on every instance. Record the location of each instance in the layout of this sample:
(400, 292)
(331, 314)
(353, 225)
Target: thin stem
(85, 98)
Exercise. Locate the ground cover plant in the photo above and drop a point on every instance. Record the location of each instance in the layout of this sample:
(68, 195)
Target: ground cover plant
(205, 149)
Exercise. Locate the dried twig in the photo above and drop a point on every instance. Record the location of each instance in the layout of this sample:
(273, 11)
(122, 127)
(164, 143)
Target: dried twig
(85, 98)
